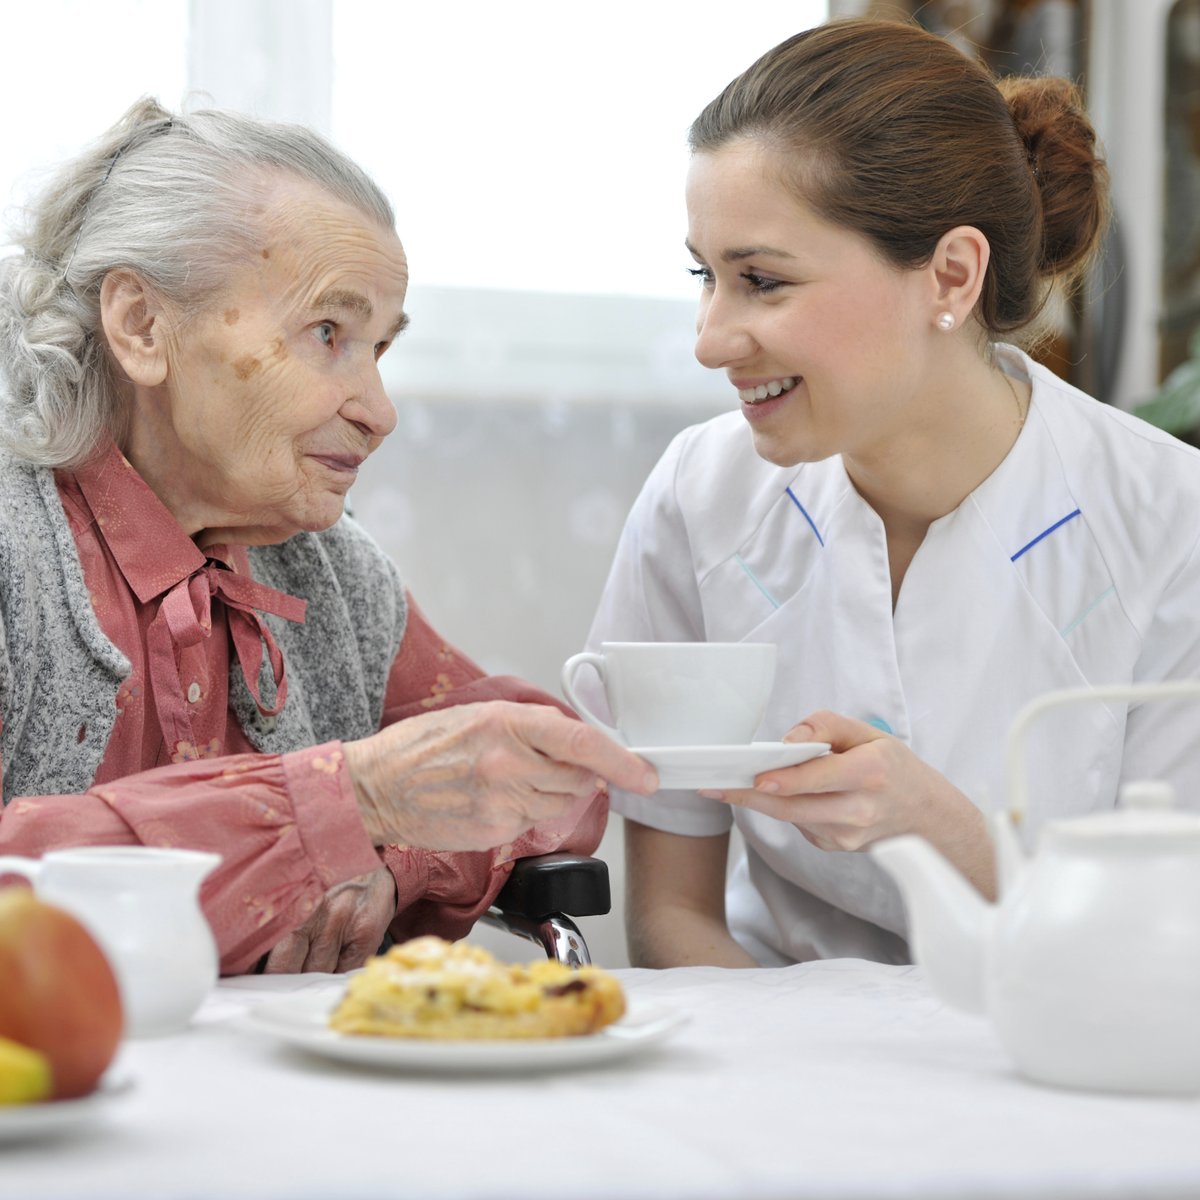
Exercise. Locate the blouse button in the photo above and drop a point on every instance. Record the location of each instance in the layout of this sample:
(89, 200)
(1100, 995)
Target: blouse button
(193, 692)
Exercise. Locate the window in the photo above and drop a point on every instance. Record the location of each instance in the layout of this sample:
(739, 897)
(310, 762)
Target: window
(541, 146)
(535, 154)
(70, 68)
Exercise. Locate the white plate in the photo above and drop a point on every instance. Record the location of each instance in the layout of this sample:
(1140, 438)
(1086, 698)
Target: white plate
(302, 1021)
(24, 1122)
(724, 766)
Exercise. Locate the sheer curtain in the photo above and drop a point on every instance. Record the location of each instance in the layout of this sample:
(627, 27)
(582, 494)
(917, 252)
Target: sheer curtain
(535, 154)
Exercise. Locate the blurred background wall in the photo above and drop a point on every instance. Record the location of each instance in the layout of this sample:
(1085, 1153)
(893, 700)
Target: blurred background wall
(535, 154)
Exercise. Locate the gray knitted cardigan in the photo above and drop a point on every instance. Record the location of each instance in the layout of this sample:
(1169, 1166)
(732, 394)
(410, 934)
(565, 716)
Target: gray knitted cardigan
(59, 674)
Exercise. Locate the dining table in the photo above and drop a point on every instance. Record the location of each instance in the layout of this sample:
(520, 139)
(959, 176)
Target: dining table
(840, 1078)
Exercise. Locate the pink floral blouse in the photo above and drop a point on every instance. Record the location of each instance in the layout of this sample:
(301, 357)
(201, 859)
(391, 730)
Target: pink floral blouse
(179, 771)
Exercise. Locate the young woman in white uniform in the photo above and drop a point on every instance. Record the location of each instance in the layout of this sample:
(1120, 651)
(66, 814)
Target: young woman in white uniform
(932, 528)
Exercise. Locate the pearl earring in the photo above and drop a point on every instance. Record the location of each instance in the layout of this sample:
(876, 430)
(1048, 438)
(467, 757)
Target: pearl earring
(945, 321)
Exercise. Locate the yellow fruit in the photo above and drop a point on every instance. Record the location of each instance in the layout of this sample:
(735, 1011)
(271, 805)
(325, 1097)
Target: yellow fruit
(58, 995)
(24, 1074)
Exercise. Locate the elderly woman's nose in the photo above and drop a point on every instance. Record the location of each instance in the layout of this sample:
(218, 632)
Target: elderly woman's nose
(370, 405)
(721, 333)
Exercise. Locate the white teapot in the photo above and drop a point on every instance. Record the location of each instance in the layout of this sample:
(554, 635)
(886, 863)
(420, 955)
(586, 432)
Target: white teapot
(1089, 964)
(141, 904)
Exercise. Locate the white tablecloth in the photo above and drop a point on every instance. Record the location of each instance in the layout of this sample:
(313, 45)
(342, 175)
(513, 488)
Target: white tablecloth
(834, 1079)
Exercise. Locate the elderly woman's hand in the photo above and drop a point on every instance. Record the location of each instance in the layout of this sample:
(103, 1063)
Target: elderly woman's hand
(871, 786)
(476, 776)
(346, 929)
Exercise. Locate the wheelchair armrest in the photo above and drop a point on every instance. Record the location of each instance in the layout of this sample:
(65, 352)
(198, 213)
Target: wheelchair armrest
(556, 884)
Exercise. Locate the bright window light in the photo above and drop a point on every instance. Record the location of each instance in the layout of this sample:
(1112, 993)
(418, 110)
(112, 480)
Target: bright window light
(69, 69)
(537, 146)
(541, 145)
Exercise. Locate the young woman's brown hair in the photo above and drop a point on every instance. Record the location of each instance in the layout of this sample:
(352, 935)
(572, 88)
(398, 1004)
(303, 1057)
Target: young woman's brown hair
(892, 132)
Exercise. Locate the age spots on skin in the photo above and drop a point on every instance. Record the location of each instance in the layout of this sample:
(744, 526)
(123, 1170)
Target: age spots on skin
(232, 315)
(278, 348)
(266, 253)
(246, 366)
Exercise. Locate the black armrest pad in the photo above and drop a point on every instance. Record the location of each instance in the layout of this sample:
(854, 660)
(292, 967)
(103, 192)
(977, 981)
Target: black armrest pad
(571, 884)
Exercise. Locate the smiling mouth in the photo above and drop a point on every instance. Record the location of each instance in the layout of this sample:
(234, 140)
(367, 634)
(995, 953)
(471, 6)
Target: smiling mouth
(767, 391)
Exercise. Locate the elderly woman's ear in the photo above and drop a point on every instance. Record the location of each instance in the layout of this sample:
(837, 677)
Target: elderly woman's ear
(135, 326)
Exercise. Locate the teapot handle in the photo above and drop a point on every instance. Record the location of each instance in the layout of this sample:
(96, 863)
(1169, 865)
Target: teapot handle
(1018, 777)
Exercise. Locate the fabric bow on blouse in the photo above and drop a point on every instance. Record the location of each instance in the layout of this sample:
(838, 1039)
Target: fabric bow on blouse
(185, 617)
(167, 604)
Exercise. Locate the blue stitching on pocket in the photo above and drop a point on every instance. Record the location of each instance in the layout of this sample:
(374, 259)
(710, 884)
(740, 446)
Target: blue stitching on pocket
(741, 562)
(1087, 611)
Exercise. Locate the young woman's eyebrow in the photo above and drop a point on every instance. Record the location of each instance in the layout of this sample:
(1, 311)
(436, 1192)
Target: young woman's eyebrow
(739, 253)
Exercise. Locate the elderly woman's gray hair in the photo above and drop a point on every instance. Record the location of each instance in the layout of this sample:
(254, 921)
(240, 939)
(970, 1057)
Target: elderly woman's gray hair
(168, 196)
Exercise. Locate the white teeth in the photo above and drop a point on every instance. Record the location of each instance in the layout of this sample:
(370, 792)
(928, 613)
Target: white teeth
(776, 387)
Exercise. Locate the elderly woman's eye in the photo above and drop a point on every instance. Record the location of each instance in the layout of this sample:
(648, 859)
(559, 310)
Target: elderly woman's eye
(326, 331)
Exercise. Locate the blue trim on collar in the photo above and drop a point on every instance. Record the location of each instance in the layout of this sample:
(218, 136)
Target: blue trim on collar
(811, 523)
(1045, 533)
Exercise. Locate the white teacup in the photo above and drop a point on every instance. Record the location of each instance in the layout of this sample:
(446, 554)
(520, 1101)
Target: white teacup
(141, 904)
(678, 693)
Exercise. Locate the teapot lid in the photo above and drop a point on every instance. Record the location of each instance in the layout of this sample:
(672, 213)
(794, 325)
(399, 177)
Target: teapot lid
(1145, 809)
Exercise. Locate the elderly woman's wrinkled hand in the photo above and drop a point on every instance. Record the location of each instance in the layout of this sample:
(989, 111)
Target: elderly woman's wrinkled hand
(477, 776)
(346, 929)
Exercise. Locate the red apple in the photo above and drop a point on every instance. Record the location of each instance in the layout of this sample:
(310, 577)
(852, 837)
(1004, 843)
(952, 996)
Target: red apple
(58, 994)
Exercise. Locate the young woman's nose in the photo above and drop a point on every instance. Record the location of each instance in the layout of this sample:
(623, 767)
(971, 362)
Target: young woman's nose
(721, 334)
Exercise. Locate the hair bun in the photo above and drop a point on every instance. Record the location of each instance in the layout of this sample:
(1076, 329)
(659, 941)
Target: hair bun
(1070, 176)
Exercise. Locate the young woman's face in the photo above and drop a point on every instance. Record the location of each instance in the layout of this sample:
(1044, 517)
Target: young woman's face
(823, 339)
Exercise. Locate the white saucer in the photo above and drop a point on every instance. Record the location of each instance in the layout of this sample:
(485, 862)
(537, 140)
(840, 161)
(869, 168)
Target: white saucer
(303, 1021)
(695, 767)
(25, 1122)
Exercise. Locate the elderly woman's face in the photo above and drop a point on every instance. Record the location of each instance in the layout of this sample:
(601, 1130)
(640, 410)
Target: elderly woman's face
(274, 393)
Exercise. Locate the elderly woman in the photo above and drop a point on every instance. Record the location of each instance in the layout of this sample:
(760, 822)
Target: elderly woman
(197, 647)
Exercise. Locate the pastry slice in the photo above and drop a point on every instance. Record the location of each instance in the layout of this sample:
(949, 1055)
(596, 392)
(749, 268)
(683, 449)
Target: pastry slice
(431, 988)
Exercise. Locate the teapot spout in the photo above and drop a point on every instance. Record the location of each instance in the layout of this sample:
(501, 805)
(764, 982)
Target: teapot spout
(949, 922)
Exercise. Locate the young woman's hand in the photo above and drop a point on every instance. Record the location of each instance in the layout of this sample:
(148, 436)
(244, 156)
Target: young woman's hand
(869, 787)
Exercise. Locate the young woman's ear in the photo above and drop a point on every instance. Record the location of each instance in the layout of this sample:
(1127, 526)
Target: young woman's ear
(134, 325)
(957, 271)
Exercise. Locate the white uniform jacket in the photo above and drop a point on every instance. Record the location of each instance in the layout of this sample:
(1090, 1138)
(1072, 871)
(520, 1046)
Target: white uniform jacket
(1074, 563)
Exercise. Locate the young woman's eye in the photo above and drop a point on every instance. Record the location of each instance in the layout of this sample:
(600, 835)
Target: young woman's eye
(701, 273)
(326, 332)
(759, 284)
